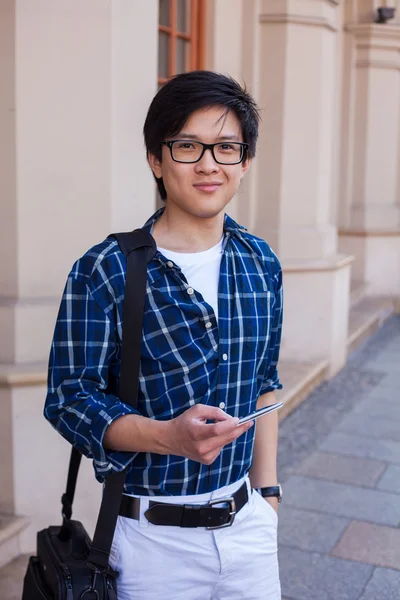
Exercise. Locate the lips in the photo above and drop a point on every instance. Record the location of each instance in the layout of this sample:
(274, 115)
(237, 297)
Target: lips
(208, 186)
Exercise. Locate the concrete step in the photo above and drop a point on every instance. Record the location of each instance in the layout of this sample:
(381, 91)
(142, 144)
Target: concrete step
(366, 316)
(12, 578)
(10, 528)
(300, 379)
(357, 291)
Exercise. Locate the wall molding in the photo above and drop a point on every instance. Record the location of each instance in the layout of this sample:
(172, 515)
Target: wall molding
(374, 31)
(378, 64)
(15, 301)
(372, 233)
(284, 19)
(334, 263)
(12, 376)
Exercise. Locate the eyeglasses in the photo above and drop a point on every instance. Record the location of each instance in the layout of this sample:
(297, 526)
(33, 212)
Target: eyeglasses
(224, 153)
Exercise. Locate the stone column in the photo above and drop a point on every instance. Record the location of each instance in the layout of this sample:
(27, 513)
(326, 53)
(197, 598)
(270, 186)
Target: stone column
(296, 173)
(8, 236)
(246, 207)
(224, 47)
(370, 222)
(76, 81)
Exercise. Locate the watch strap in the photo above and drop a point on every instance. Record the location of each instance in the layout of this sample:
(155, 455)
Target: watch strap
(272, 491)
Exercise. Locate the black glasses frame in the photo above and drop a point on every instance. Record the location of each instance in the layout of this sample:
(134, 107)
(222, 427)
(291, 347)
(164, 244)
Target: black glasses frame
(210, 147)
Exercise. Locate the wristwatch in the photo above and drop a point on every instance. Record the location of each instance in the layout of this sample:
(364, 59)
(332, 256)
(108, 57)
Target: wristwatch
(273, 491)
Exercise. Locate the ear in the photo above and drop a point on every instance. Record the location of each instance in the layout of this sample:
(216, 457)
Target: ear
(155, 165)
(246, 165)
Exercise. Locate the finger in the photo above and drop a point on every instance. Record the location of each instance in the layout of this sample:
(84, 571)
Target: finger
(224, 433)
(222, 428)
(211, 413)
(240, 429)
(218, 442)
(204, 431)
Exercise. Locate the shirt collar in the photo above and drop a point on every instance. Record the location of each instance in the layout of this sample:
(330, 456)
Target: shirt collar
(158, 265)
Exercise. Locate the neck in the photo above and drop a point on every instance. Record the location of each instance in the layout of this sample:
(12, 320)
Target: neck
(178, 231)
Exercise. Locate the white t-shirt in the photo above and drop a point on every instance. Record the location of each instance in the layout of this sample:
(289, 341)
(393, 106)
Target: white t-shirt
(201, 270)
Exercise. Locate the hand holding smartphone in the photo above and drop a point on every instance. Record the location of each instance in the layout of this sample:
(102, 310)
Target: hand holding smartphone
(260, 412)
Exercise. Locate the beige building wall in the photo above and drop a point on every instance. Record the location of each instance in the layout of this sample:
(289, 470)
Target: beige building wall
(370, 143)
(77, 79)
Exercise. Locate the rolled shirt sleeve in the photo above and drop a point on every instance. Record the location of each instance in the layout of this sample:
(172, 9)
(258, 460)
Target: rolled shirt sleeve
(79, 402)
(271, 380)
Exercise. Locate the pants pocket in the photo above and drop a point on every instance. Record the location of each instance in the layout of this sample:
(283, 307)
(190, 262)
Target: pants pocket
(267, 509)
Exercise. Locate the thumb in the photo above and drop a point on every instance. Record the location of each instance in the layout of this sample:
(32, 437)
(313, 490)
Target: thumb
(212, 413)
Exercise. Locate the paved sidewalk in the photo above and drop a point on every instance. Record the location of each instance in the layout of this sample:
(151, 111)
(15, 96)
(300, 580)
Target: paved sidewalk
(339, 461)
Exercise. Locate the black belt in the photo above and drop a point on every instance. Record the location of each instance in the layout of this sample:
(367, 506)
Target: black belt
(188, 515)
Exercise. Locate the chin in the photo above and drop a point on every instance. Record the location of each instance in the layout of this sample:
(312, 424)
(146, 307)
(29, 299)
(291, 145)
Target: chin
(205, 208)
(206, 212)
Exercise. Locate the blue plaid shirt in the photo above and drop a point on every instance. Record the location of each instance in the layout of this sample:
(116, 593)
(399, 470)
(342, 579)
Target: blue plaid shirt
(183, 362)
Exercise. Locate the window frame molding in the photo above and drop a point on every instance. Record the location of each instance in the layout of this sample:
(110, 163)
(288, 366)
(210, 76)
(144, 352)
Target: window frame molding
(196, 37)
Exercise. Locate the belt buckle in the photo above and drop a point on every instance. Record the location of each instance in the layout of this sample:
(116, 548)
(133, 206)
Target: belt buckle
(232, 510)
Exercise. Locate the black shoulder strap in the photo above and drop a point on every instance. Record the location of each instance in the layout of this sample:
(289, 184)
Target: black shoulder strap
(139, 248)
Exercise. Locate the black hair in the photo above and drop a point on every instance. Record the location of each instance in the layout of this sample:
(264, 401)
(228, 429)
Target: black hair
(184, 94)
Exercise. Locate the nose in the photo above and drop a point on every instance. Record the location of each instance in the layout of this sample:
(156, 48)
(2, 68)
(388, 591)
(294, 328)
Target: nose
(207, 163)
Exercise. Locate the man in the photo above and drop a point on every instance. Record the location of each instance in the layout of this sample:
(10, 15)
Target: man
(211, 336)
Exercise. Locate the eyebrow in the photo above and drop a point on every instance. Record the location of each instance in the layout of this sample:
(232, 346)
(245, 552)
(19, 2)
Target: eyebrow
(192, 136)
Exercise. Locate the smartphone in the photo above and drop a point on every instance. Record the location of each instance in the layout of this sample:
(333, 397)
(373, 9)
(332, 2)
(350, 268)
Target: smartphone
(260, 412)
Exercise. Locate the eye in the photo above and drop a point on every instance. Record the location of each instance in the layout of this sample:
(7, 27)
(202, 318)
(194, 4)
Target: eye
(226, 147)
(186, 145)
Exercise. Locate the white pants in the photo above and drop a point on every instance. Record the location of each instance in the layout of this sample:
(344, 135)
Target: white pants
(173, 563)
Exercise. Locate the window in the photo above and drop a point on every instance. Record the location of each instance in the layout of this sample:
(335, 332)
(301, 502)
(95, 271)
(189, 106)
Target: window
(180, 37)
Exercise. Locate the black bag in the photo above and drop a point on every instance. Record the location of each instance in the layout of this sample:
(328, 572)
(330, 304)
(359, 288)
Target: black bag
(68, 565)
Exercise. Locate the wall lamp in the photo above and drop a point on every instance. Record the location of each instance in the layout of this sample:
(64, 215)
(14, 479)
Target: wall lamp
(385, 13)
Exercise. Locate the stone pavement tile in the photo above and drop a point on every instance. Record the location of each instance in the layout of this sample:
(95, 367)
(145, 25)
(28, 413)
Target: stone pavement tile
(376, 427)
(381, 407)
(12, 577)
(308, 530)
(392, 346)
(370, 544)
(391, 354)
(344, 469)
(384, 585)
(312, 576)
(385, 362)
(390, 480)
(388, 384)
(342, 500)
(301, 432)
(362, 447)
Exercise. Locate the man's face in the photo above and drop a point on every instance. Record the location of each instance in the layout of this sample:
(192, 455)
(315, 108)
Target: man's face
(204, 188)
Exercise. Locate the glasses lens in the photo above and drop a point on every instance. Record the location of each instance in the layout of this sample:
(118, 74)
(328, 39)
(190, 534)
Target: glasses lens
(185, 151)
(228, 153)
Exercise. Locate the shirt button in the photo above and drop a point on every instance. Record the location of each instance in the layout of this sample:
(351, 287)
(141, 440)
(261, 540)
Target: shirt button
(224, 357)
(208, 324)
(170, 263)
(190, 291)
(222, 404)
